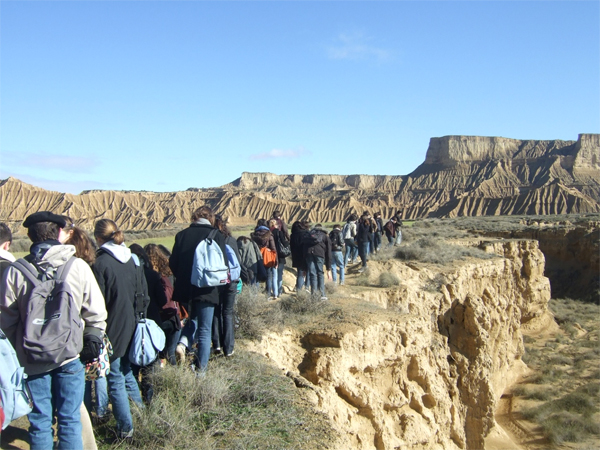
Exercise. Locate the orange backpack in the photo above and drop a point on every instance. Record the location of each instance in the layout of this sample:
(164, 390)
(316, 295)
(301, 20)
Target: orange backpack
(269, 257)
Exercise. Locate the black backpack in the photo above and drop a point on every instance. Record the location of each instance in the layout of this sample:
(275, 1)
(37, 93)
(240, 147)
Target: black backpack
(312, 238)
(336, 240)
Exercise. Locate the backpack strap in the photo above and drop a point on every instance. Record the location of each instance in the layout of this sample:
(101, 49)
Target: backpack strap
(28, 270)
(211, 235)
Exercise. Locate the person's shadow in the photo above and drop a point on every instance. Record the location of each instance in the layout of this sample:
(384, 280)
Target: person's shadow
(16, 435)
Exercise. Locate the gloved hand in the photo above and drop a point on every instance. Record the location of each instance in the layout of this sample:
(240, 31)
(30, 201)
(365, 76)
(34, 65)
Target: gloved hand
(92, 346)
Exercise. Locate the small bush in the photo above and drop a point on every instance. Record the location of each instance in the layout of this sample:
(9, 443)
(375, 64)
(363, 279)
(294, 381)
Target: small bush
(387, 279)
(430, 250)
(301, 303)
(254, 313)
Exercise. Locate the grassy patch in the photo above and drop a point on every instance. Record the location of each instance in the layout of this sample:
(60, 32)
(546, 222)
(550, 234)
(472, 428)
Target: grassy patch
(388, 279)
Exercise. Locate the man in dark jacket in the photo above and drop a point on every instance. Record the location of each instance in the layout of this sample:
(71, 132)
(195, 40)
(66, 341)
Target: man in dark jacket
(317, 251)
(200, 301)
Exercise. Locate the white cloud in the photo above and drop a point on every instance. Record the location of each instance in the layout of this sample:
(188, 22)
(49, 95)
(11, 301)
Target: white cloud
(280, 153)
(356, 46)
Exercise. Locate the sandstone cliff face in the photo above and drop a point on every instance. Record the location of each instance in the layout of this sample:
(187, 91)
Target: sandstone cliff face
(461, 175)
(428, 371)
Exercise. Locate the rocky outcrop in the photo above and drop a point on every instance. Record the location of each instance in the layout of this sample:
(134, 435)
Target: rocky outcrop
(461, 176)
(428, 370)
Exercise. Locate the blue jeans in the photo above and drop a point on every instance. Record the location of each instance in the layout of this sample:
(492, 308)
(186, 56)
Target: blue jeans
(351, 251)
(398, 237)
(280, 268)
(300, 280)
(272, 282)
(117, 378)
(223, 326)
(377, 240)
(315, 274)
(199, 327)
(101, 405)
(59, 392)
(363, 251)
(337, 262)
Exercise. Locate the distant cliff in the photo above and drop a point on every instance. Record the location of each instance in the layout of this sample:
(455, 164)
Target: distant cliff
(461, 176)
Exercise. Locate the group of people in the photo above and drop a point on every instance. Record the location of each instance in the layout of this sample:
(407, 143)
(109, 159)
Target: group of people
(110, 283)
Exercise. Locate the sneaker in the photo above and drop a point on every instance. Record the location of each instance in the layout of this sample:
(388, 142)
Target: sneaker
(125, 434)
(180, 351)
(217, 351)
(361, 270)
(341, 283)
(230, 354)
(324, 298)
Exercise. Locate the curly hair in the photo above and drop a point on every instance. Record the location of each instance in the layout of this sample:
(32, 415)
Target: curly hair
(159, 261)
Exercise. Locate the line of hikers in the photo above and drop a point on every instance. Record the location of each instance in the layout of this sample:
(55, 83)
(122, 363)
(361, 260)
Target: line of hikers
(81, 364)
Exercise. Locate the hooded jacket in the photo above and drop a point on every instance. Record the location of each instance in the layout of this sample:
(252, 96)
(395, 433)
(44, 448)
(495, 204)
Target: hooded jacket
(15, 289)
(322, 248)
(118, 275)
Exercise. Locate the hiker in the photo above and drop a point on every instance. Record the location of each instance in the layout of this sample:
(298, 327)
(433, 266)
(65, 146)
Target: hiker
(266, 243)
(119, 274)
(317, 252)
(362, 239)
(281, 225)
(378, 233)
(299, 228)
(6, 258)
(200, 301)
(223, 337)
(398, 228)
(170, 311)
(337, 257)
(349, 233)
(249, 258)
(280, 240)
(57, 380)
(390, 231)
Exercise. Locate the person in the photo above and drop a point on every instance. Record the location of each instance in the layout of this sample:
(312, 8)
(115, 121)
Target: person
(249, 258)
(378, 232)
(264, 238)
(56, 387)
(201, 301)
(280, 239)
(170, 311)
(121, 278)
(299, 228)
(6, 258)
(362, 239)
(349, 233)
(398, 228)
(281, 225)
(390, 231)
(84, 245)
(223, 337)
(317, 251)
(337, 257)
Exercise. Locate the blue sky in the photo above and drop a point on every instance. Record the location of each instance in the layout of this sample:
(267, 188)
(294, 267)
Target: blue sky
(163, 96)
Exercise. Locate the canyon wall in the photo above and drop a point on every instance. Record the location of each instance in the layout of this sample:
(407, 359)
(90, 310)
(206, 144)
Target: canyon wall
(461, 176)
(427, 370)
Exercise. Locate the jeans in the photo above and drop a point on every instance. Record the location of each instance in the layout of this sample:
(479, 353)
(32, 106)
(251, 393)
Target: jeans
(199, 327)
(301, 280)
(280, 268)
(100, 407)
(337, 261)
(315, 274)
(377, 240)
(120, 370)
(351, 251)
(363, 250)
(390, 239)
(172, 338)
(58, 392)
(272, 282)
(223, 326)
(398, 237)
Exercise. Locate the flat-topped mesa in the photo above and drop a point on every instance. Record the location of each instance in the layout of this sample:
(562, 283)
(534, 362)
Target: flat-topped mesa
(452, 150)
(261, 180)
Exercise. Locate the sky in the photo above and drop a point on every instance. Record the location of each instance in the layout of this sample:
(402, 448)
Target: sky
(167, 95)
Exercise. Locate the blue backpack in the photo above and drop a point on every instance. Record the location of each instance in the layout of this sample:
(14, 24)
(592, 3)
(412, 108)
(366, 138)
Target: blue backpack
(14, 392)
(209, 268)
(235, 271)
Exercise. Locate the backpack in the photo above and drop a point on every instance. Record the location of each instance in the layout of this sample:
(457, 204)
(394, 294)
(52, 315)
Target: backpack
(52, 325)
(347, 231)
(312, 238)
(269, 257)
(336, 240)
(235, 270)
(14, 392)
(209, 268)
(283, 246)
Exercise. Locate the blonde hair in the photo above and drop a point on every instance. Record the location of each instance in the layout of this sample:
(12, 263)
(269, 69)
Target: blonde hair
(107, 230)
(273, 223)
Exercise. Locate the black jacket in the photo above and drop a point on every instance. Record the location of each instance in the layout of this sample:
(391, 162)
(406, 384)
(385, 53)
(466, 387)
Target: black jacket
(278, 237)
(118, 284)
(298, 260)
(181, 262)
(320, 248)
(337, 242)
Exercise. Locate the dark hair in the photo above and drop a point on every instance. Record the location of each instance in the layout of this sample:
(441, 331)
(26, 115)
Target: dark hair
(84, 246)
(69, 223)
(220, 225)
(165, 250)
(43, 231)
(5, 233)
(137, 249)
(337, 226)
(262, 223)
(276, 213)
(204, 212)
(351, 218)
(107, 230)
(318, 225)
(159, 261)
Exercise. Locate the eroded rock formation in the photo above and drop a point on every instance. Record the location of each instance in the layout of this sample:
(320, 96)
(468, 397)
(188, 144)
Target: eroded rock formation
(426, 371)
(461, 176)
